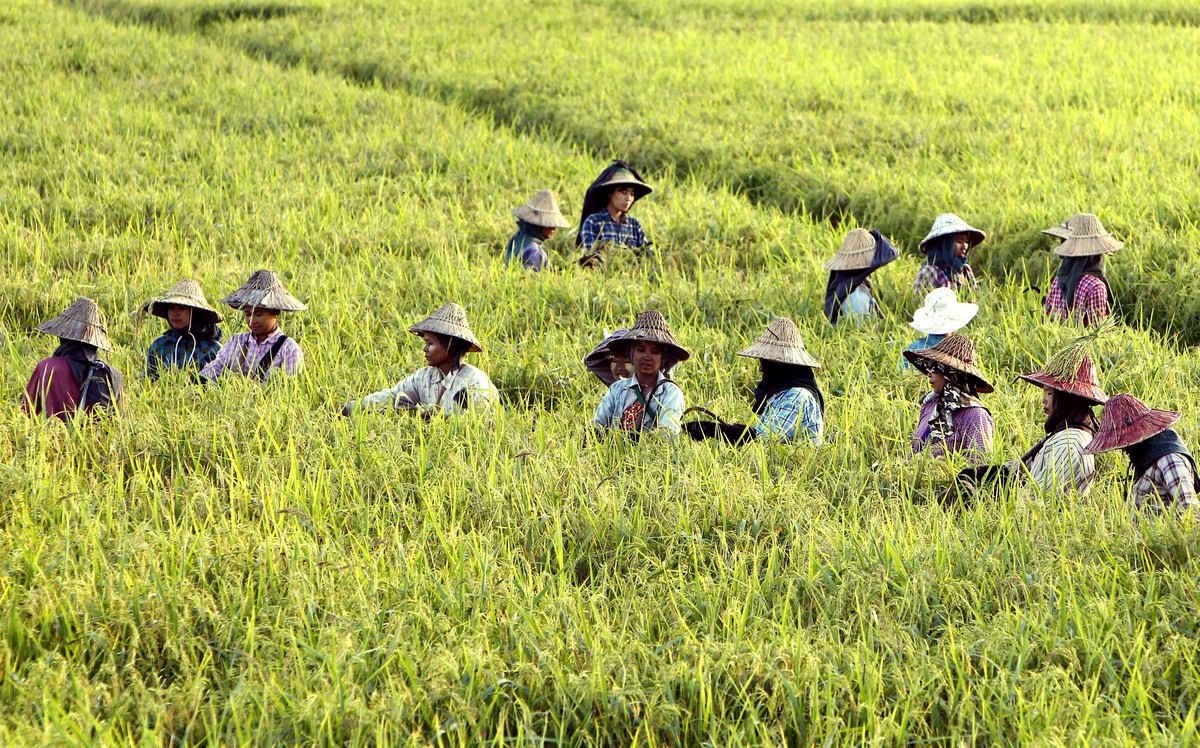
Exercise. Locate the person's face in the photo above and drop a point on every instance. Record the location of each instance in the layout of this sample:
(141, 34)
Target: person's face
(1047, 400)
(622, 199)
(179, 316)
(618, 364)
(937, 380)
(548, 231)
(261, 321)
(962, 245)
(436, 354)
(647, 357)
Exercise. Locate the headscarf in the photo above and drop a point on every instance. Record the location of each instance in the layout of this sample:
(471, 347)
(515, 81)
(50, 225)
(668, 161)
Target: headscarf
(526, 233)
(1145, 453)
(1070, 411)
(1072, 270)
(80, 357)
(939, 252)
(596, 199)
(778, 377)
(958, 392)
(843, 282)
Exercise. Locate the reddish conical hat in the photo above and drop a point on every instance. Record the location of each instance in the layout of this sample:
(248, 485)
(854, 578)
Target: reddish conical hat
(1084, 383)
(1127, 421)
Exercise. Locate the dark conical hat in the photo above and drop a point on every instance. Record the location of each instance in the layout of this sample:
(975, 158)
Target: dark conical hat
(652, 327)
(955, 352)
(1084, 382)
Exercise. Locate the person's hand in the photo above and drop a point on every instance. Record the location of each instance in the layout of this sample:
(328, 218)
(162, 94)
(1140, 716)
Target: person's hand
(348, 409)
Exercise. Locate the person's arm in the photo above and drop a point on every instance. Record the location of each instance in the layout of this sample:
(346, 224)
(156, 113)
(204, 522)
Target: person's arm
(669, 405)
(290, 357)
(35, 391)
(152, 362)
(924, 282)
(1060, 465)
(223, 360)
(1178, 481)
(588, 233)
(921, 433)
(1091, 303)
(608, 406)
(973, 433)
(206, 351)
(404, 395)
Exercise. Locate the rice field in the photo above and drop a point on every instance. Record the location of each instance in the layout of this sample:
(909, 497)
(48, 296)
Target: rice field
(239, 564)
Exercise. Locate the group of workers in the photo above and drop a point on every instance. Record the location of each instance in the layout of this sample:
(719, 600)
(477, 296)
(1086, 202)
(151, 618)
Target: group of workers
(636, 363)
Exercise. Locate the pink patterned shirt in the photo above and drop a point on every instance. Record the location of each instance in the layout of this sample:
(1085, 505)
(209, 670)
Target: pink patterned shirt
(1091, 302)
(973, 432)
(930, 277)
(242, 354)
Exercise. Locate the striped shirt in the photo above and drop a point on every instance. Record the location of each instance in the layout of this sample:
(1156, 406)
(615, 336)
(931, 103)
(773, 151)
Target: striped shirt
(930, 277)
(665, 409)
(463, 390)
(1171, 480)
(243, 353)
(1091, 302)
(789, 414)
(973, 432)
(1061, 465)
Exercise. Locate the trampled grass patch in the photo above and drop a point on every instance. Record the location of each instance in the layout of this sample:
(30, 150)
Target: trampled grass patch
(239, 564)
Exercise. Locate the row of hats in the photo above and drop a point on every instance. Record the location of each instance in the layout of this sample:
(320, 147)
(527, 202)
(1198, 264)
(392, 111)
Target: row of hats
(83, 321)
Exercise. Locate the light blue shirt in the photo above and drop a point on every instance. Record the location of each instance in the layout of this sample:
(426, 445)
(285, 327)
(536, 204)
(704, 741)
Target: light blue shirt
(664, 410)
(928, 341)
(791, 412)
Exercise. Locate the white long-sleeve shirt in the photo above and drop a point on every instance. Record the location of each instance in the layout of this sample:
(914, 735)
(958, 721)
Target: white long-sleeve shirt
(462, 390)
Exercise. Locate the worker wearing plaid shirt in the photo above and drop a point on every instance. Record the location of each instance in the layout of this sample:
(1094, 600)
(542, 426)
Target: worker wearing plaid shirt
(791, 414)
(605, 221)
(245, 355)
(601, 231)
(1089, 307)
(1171, 480)
(930, 277)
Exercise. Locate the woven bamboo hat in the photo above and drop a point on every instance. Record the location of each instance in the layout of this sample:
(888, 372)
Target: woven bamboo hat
(955, 352)
(264, 290)
(652, 327)
(625, 178)
(542, 210)
(184, 293)
(781, 342)
(943, 313)
(948, 224)
(856, 253)
(1063, 230)
(1074, 374)
(1127, 421)
(449, 319)
(82, 322)
(1087, 238)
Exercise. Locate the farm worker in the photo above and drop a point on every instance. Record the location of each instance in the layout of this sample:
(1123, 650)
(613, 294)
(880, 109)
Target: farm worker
(446, 385)
(952, 418)
(75, 378)
(605, 220)
(787, 400)
(192, 339)
(537, 220)
(1163, 471)
(264, 349)
(946, 247)
(941, 315)
(1059, 462)
(607, 364)
(1080, 291)
(650, 399)
(848, 292)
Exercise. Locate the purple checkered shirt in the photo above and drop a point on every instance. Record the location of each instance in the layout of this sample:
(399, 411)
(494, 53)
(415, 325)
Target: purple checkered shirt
(1091, 301)
(242, 354)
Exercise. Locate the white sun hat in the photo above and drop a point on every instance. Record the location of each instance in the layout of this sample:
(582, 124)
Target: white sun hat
(943, 313)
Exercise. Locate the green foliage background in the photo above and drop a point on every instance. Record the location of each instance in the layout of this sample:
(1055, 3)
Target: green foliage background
(238, 564)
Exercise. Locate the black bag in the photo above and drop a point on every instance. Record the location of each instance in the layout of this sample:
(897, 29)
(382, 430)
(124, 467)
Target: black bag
(101, 387)
(734, 433)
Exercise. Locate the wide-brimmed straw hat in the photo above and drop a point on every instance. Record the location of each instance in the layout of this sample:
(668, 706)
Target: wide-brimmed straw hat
(856, 253)
(264, 290)
(781, 342)
(625, 178)
(82, 322)
(449, 319)
(1063, 230)
(948, 224)
(1127, 421)
(184, 293)
(955, 352)
(542, 210)
(943, 313)
(652, 328)
(1087, 238)
(1076, 375)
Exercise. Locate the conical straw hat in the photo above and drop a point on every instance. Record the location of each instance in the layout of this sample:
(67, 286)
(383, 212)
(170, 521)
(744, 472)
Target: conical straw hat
(781, 342)
(623, 177)
(449, 319)
(652, 327)
(948, 224)
(943, 313)
(1088, 238)
(542, 210)
(184, 293)
(1127, 421)
(82, 322)
(1063, 230)
(858, 249)
(264, 290)
(955, 352)
(1080, 377)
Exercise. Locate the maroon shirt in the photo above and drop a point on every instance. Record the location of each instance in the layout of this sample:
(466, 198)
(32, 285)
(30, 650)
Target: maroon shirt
(52, 390)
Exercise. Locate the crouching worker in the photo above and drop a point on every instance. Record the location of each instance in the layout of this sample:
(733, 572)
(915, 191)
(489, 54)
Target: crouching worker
(849, 294)
(787, 400)
(650, 400)
(446, 385)
(1163, 471)
(537, 220)
(952, 417)
(192, 339)
(607, 364)
(264, 349)
(74, 378)
(1059, 462)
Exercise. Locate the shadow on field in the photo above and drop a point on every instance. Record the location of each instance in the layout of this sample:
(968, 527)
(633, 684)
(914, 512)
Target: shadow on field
(185, 19)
